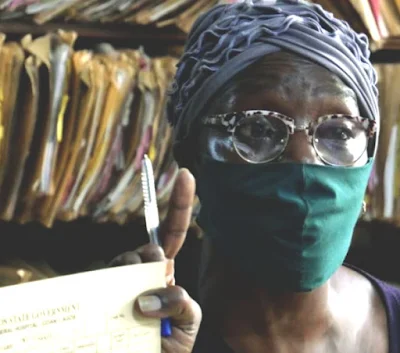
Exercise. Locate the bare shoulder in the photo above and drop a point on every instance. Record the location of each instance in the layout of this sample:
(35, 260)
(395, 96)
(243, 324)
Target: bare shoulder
(362, 294)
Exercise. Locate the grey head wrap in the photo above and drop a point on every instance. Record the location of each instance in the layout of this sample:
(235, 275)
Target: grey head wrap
(229, 38)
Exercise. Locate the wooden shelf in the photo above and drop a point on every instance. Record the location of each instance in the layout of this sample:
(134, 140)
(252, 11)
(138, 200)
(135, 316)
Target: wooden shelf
(100, 31)
(135, 34)
(386, 56)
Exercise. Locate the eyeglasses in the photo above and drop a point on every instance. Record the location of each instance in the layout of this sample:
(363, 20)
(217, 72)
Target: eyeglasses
(261, 136)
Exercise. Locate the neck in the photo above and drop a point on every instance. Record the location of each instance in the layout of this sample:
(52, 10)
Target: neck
(230, 303)
(283, 314)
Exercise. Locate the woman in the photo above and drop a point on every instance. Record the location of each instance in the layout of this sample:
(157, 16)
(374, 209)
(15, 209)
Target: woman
(275, 113)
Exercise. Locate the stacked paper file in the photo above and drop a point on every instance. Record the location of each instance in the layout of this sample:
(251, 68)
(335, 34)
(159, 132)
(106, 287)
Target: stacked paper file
(74, 126)
(180, 13)
(380, 19)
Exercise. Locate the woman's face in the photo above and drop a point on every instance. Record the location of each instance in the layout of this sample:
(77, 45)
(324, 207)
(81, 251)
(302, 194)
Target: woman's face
(290, 86)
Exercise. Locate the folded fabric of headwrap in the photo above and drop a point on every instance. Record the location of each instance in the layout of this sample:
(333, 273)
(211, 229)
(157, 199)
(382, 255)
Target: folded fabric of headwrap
(229, 38)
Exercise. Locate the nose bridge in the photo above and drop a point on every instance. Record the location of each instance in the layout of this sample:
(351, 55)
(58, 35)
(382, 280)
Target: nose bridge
(300, 149)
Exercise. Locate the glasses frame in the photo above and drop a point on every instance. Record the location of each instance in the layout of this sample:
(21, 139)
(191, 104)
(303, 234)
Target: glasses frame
(232, 120)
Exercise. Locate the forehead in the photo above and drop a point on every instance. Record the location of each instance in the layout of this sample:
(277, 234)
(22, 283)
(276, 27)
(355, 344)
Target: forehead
(291, 86)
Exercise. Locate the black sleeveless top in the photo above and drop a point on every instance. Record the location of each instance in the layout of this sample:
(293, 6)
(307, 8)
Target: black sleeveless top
(208, 343)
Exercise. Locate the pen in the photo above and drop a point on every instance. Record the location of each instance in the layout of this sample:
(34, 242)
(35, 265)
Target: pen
(152, 220)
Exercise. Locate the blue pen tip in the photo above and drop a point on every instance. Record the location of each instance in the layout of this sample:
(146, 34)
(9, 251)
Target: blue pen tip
(166, 330)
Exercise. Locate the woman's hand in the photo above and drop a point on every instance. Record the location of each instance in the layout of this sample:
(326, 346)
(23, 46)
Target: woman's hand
(173, 301)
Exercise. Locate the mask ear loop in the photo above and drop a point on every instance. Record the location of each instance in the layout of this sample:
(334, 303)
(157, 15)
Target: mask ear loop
(364, 207)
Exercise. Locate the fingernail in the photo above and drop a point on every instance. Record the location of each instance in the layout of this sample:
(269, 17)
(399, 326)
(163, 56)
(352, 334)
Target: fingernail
(149, 303)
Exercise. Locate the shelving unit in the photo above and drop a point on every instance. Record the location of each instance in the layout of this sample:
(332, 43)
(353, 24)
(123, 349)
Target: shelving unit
(82, 244)
(102, 31)
(386, 56)
(128, 34)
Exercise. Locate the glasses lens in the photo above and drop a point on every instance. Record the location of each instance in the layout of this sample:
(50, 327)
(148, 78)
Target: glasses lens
(340, 141)
(260, 138)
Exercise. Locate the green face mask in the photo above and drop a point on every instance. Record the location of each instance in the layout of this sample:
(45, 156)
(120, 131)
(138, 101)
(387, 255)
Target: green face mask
(287, 226)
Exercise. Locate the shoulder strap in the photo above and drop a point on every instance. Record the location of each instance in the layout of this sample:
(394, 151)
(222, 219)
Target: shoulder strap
(391, 296)
(391, 299)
